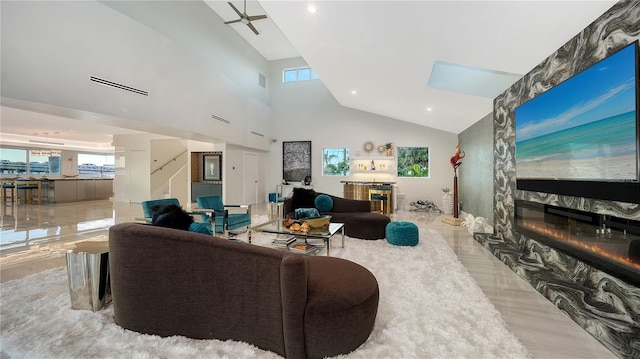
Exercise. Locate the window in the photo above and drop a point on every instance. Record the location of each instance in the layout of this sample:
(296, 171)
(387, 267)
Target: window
(14, 161)
(335, 162)
(413, 161)
(23, 161)
(96, 165)
(299, 74)
(44, 161)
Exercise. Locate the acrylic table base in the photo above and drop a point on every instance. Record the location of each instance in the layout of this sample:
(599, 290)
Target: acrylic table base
(88, 272)
(275, 210)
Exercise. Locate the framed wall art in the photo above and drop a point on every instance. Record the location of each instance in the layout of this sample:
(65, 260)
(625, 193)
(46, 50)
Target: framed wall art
(211, 167)
(296, 160)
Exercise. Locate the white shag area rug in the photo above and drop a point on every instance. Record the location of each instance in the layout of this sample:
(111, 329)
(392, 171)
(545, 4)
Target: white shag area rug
(430, 307)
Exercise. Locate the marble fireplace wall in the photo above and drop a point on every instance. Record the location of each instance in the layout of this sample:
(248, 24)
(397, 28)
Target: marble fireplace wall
(603, 305)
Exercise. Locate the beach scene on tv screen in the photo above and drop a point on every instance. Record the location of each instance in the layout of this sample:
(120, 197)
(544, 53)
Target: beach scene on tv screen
(584, 128)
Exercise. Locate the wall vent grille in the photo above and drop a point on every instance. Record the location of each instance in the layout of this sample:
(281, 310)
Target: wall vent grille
(117, 85)
(257, 133)
(262, 81)
(220, 119)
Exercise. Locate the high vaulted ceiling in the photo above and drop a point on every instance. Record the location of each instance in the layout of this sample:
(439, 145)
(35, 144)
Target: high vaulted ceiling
(385, 51)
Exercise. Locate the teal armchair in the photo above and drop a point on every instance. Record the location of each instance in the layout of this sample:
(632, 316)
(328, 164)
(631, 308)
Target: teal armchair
(148, 206)
(224, 221)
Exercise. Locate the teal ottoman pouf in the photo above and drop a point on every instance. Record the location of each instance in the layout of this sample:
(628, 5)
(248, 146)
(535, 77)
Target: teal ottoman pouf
(402, 233)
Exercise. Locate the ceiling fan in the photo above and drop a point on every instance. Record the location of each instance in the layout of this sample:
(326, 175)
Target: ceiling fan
(244, 18)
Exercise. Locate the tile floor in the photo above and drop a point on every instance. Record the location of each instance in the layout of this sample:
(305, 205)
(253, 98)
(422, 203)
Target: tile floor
(35, 238)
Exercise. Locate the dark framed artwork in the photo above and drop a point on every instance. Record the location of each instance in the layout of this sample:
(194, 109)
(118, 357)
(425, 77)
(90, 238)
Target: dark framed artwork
(296, 160)
(211, 167)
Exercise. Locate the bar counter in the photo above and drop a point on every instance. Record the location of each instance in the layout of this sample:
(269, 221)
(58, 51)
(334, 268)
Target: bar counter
(63, 190)
(360, 190)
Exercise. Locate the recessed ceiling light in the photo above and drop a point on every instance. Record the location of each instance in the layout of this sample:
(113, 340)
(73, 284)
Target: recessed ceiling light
(354, 92)
(429, 109)
(311, 9)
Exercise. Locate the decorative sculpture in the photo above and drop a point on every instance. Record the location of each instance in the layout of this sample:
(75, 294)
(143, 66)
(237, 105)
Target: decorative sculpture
(456, 161)
(424, 206)
(457, 157)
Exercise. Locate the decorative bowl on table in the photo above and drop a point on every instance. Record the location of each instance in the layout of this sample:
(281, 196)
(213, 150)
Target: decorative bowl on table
(317, 222)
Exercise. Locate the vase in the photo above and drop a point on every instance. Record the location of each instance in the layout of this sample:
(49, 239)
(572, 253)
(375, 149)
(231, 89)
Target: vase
(390, 152)
(447, 203)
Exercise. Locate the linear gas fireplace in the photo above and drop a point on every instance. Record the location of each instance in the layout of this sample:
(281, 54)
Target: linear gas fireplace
(608, 243)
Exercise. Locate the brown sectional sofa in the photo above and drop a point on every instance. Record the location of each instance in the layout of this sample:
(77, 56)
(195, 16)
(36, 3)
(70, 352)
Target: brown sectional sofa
(356, 215)
(171, 282)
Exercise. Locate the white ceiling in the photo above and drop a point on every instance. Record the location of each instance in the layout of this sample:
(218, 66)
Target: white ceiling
(77, 131)
(385, 50)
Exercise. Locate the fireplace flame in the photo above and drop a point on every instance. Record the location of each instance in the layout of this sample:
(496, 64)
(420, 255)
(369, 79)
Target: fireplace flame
(563, 235)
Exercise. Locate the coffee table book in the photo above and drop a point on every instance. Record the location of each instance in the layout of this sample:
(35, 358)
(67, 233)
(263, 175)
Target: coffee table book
(283, 242)
(302, 248)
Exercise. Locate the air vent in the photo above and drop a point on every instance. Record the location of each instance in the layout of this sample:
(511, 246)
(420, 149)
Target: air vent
(220, 119)
(257, 133)
(117, 85)
(262, 81)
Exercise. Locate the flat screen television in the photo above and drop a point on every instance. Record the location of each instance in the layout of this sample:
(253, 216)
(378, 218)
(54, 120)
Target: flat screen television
(580, 138)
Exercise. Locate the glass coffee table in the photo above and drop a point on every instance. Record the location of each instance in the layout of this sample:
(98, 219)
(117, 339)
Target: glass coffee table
(276, 226)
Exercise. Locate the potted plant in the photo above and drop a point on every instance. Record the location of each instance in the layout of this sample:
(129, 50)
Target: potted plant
(389, 147)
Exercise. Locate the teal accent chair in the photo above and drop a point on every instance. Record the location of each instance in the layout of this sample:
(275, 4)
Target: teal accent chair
(224, 221)
(148, 206)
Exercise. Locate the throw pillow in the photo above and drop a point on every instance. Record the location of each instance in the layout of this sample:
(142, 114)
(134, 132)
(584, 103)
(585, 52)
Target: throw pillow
(303, 198)
(306, 213)
(171, 216)
(324, 203)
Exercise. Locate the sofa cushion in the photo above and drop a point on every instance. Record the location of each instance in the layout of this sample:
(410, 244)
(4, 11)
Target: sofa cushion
(324, 203)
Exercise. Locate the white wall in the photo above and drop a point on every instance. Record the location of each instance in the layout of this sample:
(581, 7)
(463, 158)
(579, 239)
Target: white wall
(51, 48)
(127, 182)
(306, 111)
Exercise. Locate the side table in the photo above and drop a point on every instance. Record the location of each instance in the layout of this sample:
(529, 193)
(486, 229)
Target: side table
(275, 210)
(88, 272)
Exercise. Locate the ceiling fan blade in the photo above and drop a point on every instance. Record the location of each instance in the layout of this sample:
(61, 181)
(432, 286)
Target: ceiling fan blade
(253, 29)
(235, 9)
(256, 17)
(233, 21)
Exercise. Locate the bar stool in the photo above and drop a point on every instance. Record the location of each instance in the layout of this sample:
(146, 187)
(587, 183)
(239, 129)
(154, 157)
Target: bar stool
(381, 194)
(28, 187)
(8, 186)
